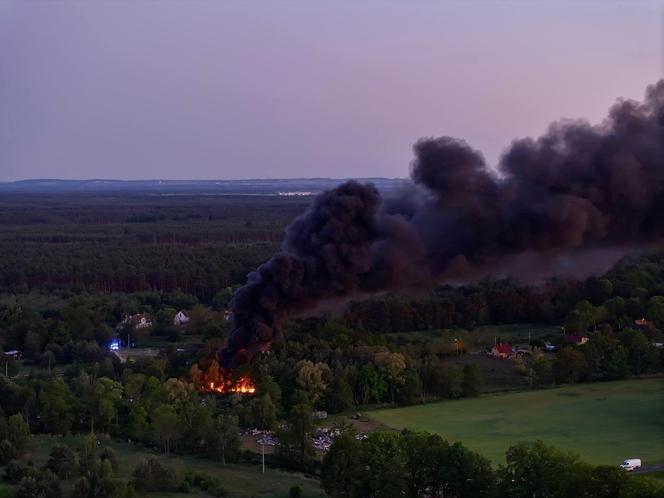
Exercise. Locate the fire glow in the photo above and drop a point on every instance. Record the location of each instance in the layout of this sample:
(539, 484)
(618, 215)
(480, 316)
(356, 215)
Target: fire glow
(214, 379)
(243, 385)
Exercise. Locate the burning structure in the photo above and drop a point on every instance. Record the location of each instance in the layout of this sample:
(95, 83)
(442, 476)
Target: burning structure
(574, 199)
(218, 380)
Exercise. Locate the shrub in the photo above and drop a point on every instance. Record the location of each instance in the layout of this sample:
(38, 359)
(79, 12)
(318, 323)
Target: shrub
(7, 452)
(109, 455)
(15, 471)
(151, 475)
(63, 461)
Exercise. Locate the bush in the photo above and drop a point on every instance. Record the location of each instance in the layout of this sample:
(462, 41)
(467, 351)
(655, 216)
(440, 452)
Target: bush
(7, 452)
(15, 471)
(207, 483)
(63, 461)
(109, 455)
(29, 488)
(151, 475)
(295, 492)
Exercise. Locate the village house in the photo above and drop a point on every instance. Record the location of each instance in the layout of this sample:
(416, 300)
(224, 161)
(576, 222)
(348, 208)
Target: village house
(14, 354)
(577, 340)
(139, 320)
(181, 318)
(502, 350)
(643, 323)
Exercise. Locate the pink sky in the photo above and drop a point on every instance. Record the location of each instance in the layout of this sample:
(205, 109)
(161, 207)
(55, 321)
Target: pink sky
(205, 90)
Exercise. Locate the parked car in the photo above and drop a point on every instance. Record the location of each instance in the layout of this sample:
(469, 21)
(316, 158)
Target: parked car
(631, 463)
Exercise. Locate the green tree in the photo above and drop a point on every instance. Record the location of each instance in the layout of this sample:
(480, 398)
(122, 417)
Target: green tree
(29, 488)
(470, 381)
(7, 452)
(58, 405)
(151, 476)
(599, 289)
(383, 466)
(223, 440)
(541, 470)
(392, 367)
(166, 426)
(312, 378)
(338, 396)
(262, 412)
(342, 468)
(372, 387)
(655, 311)
(570, 366)
(18, 432)
(295, 439)
(642, 355)
(137, 423)
(101, 398)
(63, 462)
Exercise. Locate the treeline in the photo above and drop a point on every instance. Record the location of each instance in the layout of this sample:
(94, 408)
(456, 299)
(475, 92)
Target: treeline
(172, 416)
(127, 266)
(128, 244)
(631, 290)
(422, 465)
(91, 472)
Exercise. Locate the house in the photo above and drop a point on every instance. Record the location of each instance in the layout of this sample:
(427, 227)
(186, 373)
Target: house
(502, 350)
(180, 318)
(14, 354)
(228, 315)
(577, 340)
(642, 322)
(140, 321)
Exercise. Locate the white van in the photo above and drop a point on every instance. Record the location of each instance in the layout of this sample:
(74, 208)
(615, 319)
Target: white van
(631, 464)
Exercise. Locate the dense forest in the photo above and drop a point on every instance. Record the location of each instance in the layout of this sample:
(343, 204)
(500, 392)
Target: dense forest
(74, 268)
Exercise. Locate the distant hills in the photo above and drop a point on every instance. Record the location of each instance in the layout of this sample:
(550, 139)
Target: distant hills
(294, 186)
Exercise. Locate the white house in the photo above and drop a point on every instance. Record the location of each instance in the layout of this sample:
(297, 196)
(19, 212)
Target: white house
(181, 318)
(140, 321)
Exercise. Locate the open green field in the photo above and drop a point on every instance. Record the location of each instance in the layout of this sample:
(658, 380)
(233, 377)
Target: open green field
(603, 422)
(239, 480)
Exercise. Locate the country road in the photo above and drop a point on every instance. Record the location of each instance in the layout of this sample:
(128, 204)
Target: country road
(647, 469)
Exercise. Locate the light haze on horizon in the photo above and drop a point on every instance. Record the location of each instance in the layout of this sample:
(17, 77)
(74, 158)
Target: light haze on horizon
(229, 90)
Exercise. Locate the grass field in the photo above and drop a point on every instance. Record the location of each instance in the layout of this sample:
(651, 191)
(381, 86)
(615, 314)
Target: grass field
(240, 480)
(603, 422)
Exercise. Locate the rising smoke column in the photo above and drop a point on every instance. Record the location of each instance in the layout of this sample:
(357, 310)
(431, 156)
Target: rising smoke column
(578, 189)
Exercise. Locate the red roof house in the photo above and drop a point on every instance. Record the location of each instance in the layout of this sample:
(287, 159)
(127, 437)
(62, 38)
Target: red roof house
(576, 339)
(502, 350)
(642, 322)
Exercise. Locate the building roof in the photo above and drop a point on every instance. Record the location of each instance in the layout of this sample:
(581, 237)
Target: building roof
(504, 348)
(574, 338)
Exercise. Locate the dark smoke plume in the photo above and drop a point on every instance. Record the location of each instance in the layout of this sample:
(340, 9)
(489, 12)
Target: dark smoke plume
(579, 191)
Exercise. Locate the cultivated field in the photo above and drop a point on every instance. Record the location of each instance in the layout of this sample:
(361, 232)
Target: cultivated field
(603, 422)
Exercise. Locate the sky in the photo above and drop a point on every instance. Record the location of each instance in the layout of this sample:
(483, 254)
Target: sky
(228, 90)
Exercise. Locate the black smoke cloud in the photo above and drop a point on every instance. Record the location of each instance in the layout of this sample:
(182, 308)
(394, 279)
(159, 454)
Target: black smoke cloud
(578, 193)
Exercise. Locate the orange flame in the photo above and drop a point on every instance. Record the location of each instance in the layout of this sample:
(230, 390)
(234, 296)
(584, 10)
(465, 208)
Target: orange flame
(243, 385)
(217, 380)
